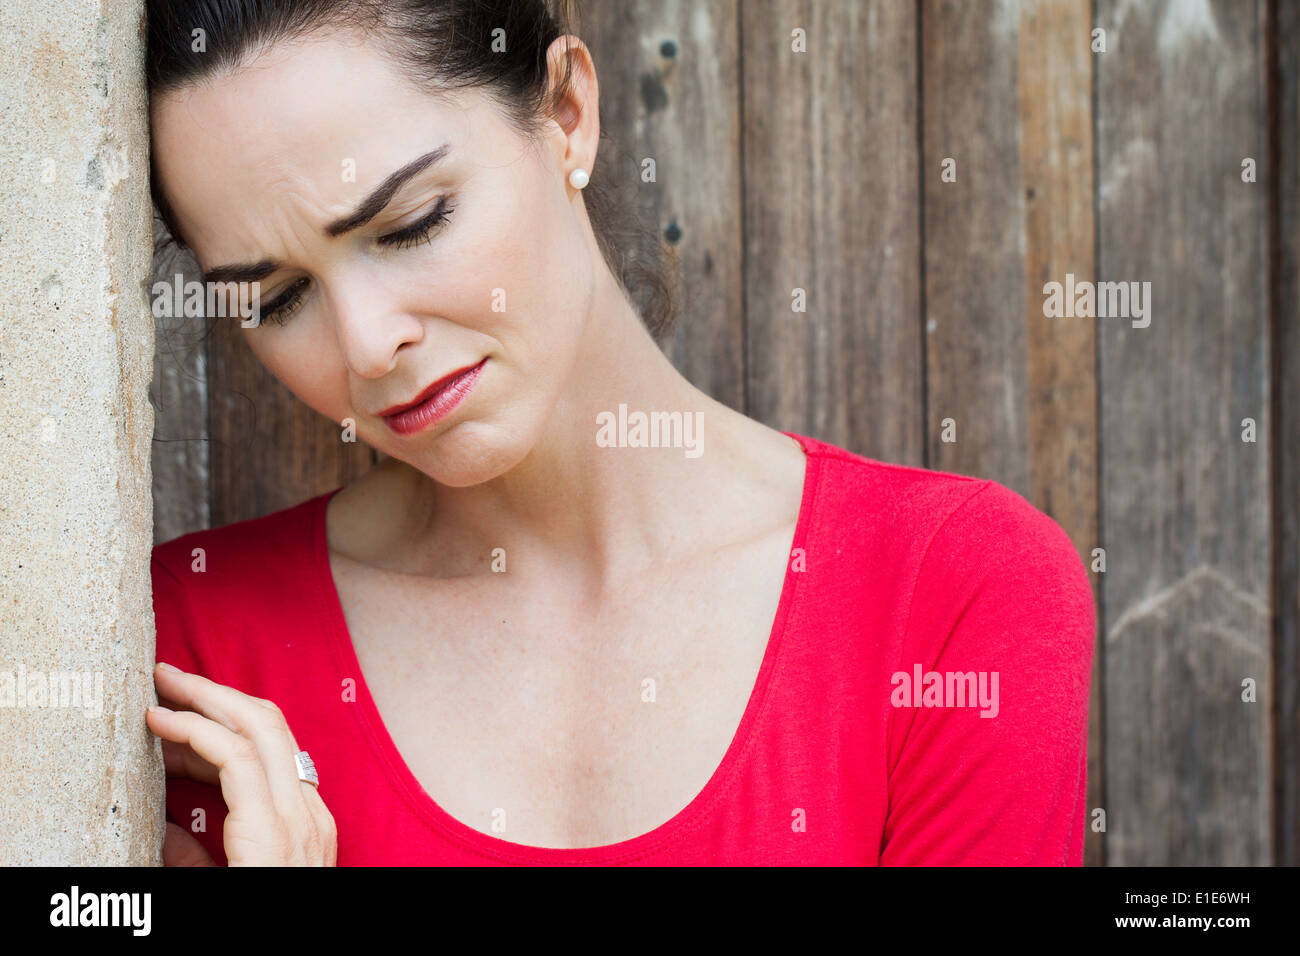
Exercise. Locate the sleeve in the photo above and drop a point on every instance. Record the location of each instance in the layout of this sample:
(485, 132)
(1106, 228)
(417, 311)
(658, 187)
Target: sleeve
(1002, 615)
(198, 807)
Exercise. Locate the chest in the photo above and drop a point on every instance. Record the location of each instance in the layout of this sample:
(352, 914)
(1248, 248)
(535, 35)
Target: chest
(531, 715)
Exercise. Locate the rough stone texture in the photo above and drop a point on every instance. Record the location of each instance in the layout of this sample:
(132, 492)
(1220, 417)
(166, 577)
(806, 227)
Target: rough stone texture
(78, 784)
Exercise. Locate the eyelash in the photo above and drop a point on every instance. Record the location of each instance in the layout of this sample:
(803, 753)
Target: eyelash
(413, 235)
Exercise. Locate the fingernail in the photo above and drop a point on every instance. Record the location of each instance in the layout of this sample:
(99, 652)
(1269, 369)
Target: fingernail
(167, 667)
(159, 709)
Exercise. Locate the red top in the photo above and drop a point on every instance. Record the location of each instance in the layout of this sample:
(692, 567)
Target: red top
(847, 753)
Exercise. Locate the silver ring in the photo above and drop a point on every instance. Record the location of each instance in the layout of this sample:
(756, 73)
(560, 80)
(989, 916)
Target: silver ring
(306, 769)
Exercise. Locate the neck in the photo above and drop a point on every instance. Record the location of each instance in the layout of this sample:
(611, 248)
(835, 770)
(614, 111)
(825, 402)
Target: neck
(605, 511)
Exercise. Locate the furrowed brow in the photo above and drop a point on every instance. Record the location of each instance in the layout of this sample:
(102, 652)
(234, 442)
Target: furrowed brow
(370, 207)
(373, 204)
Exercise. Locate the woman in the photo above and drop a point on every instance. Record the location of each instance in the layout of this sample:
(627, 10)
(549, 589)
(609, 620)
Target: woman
(530, 635)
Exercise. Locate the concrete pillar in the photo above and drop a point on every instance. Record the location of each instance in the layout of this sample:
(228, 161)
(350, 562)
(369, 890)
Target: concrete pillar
(81, 778)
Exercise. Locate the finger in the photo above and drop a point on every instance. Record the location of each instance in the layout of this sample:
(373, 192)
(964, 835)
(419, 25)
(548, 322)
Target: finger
(165, 701)
(239, 768)
(326, 830)
(261, 722)
(255, 718)
(180, 760)
(181, 848)
(229, 707)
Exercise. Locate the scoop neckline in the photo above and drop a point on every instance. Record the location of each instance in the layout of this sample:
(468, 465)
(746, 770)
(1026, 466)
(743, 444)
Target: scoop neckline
(431, 812)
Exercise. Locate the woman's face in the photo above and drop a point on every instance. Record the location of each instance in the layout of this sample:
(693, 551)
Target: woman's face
(259, 164)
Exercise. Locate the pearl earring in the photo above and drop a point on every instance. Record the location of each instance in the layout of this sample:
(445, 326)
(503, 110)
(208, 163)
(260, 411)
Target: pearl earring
(578, 179)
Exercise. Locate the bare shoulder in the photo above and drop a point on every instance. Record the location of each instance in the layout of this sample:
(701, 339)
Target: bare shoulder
(770, 485)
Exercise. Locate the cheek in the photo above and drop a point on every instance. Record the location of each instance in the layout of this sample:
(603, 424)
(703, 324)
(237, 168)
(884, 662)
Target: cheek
(306, 361)
(534, 308)
(520, 259)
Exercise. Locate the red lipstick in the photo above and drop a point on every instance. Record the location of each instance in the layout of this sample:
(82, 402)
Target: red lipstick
(434, 403)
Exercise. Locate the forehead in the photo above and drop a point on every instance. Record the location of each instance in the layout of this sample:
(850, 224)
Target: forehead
(314, 123)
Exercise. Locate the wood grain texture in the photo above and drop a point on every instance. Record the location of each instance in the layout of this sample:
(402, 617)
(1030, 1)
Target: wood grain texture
(668, 89)
(1008, 99)
(975, 267)
(831, 207)
(179, 394)
(1181, 101)
(1054, 90)
(269, 450)
(1285, 285)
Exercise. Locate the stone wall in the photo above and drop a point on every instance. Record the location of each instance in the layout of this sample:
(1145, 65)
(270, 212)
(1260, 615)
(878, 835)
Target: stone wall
(81, 779)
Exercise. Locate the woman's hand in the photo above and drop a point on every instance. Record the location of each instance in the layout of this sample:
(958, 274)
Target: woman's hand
(220, 735)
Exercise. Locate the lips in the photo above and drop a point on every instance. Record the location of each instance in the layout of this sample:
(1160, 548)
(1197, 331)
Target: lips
(434, 403)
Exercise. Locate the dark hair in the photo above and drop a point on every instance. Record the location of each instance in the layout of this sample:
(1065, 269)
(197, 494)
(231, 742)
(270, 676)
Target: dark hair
(443, 46)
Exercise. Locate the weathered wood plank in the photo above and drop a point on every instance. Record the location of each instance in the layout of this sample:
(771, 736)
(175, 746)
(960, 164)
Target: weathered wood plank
(1007, 166)
(668, 73)
(831, 208)
(975, 265)
(1286, 405)
(1181, 102)
(1054, 79)
(179, 397)
(269, 450)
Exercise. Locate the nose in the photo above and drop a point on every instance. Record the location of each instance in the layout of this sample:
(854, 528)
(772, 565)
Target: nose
(373, 328)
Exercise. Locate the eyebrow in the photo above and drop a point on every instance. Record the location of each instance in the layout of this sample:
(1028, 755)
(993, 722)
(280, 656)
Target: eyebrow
(370, 207)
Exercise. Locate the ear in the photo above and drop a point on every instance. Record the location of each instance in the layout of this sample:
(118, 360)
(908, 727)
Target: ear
(577, 113)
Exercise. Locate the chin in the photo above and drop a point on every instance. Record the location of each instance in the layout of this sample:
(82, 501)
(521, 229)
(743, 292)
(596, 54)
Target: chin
(470, 454)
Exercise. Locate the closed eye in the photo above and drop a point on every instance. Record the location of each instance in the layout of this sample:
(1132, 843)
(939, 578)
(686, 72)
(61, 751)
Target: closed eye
(412, 235)
(420, 231)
